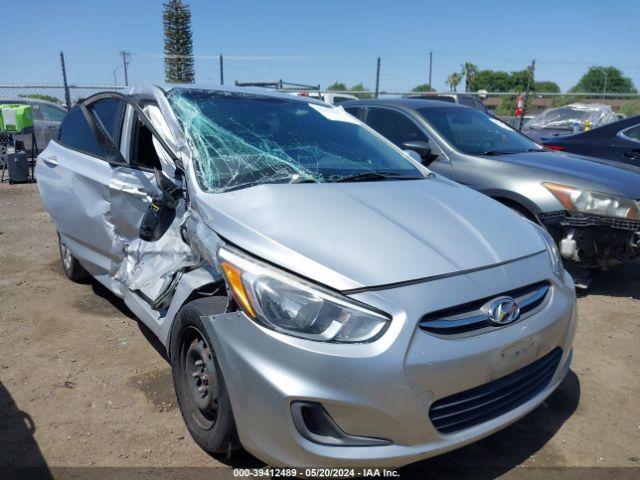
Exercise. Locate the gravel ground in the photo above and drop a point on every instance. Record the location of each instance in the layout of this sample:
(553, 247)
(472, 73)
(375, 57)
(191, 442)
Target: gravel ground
(82, 384)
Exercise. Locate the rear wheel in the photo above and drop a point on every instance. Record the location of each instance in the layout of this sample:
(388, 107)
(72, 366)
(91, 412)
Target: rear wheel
(70, 264)
(198, 381)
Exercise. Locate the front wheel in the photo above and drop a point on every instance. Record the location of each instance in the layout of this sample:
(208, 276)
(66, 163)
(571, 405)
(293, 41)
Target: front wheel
(198, 381)
(70, 264)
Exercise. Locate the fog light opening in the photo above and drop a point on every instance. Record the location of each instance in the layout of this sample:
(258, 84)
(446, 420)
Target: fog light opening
(315, 424)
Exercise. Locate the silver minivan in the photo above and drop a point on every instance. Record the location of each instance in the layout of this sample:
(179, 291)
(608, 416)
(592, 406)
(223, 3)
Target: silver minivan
(325, 300)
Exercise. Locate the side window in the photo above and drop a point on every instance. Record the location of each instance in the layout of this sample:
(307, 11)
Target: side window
(51, 113)
(75, 133)
(143, 151)
(632, 133)
(395, 126)
(109, 113)
(479, 105)
(468, 101)
(355, 111)
(37, 111)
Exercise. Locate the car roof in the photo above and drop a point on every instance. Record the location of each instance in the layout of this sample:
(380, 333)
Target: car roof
(406, 103)
(258, 91)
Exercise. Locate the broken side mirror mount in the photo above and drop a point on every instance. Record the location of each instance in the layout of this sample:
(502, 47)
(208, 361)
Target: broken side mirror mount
(162, 209)
(422, 149)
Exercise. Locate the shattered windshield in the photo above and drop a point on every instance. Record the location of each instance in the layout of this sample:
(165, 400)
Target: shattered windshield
(240, 140)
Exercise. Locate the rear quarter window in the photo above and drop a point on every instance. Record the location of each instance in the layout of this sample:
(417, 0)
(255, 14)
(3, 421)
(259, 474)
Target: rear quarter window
(76, 134)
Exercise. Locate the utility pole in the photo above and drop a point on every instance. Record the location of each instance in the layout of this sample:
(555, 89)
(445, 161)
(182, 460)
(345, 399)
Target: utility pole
(125, 64)
(221, 70)
(378, 77)
(67, 95)
(526, 95)
(430, 65)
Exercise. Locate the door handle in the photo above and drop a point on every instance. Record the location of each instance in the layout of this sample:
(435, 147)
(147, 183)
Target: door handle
(50, 160)
(632, 154)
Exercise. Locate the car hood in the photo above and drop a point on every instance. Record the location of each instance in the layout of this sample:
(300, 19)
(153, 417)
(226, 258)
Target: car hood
(355, 235)
(601, 175)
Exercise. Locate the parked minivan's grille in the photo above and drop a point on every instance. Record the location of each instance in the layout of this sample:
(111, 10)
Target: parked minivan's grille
(473, 316)
(480, 404)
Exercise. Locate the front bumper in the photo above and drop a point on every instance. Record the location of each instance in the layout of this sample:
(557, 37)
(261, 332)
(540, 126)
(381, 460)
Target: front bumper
(384, 389)
(599, 241)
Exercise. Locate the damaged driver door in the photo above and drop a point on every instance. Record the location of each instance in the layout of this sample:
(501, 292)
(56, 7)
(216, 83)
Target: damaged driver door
(147, 210)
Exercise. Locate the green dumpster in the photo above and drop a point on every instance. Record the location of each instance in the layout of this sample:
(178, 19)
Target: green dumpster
(15, 117)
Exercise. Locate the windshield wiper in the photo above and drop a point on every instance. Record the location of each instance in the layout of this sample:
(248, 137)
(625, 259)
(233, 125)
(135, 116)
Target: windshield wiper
(490, 153)
(372, 176)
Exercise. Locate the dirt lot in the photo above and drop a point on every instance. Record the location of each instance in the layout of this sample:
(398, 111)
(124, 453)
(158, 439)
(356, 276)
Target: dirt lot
(83, 384)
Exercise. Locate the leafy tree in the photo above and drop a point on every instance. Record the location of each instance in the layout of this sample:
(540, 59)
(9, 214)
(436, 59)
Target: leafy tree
(546, 87)
(338, 86)
(491, 81)
(38, 96)
(519, 80)
(507, 106)
(424, 87)
(178, 42)
(469, 71)
(359, 87)
(593, 81)
(454, 80)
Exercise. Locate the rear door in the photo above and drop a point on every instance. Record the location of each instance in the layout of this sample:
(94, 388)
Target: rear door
(74, 174)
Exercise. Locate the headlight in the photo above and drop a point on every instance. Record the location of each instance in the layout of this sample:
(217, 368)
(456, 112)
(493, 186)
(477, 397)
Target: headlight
(552, 249)
(290, 305)
(595, 203)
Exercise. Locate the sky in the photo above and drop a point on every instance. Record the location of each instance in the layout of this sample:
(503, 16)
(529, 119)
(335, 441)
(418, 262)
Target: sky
(323, 42)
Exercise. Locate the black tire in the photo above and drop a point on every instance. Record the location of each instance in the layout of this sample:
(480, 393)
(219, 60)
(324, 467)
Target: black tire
(198, 381)
(70, 264)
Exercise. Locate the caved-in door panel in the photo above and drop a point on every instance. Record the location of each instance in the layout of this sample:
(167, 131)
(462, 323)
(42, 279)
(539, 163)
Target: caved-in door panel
(75, 189)
(142, 266)
(129, 190)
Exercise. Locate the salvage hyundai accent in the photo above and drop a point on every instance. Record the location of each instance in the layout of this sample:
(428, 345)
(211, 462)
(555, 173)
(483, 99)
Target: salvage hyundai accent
(324, 299)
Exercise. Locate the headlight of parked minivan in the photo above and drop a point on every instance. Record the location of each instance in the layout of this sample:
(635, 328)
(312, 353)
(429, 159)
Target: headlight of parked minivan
(285, 303)
(594, 203)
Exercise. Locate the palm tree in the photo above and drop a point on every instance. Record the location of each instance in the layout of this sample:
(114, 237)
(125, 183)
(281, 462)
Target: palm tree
(469, 71)
(453, 80)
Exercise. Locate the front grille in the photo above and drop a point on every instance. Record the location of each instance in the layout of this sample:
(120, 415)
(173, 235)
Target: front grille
(563, 218)
(474, 316)
(480, 404)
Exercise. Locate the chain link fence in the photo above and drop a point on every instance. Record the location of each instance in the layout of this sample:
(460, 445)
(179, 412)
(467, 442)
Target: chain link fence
(52, 93)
